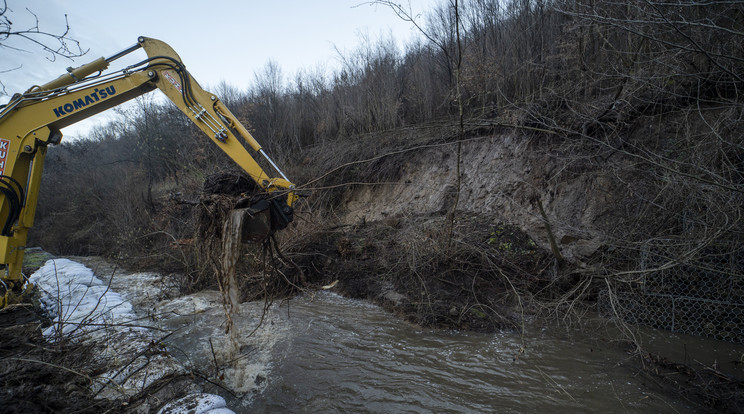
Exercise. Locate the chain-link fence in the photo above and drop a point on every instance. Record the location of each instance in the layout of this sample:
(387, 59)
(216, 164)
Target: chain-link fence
(697, 292)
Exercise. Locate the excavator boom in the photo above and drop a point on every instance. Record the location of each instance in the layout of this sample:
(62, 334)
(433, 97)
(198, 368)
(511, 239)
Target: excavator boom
(31, 121)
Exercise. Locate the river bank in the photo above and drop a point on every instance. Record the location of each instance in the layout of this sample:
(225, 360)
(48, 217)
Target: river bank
(84, 342)
(469, 276)
(304, 337)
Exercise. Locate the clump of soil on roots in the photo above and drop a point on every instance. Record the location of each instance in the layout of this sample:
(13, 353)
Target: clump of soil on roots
(244, 270)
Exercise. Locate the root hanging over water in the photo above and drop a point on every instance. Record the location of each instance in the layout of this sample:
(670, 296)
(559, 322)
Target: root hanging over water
(226, 272)
(243, 271)
(218, 236)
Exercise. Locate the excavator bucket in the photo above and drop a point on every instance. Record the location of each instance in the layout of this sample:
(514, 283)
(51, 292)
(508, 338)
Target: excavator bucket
(263, 217)
(232, 199)
(256, 222)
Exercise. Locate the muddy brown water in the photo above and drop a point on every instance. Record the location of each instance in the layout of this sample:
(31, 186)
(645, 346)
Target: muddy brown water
(325, 353)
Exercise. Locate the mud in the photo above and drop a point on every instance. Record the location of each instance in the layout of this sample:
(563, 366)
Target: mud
(39, 377)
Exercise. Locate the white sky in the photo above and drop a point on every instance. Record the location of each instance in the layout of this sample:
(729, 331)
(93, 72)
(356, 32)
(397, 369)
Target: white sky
(218, 40)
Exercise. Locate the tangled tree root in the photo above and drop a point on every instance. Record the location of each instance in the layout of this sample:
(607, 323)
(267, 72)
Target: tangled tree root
(481, 282)
(243, 271)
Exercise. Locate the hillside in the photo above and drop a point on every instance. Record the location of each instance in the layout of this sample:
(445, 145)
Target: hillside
(528, 160)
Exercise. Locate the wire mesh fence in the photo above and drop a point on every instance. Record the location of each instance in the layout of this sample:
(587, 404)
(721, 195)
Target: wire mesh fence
(697, 292)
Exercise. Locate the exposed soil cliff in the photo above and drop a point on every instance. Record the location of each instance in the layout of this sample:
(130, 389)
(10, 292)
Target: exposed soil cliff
(394, 240)
(503, 177)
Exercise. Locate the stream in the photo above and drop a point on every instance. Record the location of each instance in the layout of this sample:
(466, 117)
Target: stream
(325, 353)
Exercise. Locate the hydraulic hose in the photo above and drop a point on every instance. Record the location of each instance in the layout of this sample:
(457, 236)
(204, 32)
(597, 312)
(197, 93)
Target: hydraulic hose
(16, 200)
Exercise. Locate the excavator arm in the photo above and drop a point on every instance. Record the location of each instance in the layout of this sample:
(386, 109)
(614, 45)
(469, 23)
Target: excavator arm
(31, 121)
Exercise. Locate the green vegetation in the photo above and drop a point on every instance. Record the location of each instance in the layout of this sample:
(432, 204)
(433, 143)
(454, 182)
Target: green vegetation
(34, 259)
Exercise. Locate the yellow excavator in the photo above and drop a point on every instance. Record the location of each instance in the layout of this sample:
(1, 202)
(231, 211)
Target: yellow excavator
(31, 121)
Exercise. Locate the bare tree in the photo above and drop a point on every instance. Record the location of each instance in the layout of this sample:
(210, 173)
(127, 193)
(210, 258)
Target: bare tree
(31, 38)
(445, 31)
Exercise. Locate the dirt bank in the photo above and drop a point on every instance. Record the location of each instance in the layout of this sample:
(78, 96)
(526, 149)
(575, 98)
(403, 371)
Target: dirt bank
(412, 266)
(504, 176)
(390, 237)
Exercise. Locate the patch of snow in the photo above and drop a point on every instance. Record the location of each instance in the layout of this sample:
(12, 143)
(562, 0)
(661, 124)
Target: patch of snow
(77, 300)
(197, 404)
(85, 309)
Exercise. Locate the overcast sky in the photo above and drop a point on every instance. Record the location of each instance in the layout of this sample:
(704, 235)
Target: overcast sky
(218, 40)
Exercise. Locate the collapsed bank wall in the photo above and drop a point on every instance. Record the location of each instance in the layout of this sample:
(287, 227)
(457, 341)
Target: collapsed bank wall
(683, 272)
(502, 176)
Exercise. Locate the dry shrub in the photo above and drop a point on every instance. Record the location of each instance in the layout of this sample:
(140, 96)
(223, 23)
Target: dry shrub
(38, 377)
(406, 264)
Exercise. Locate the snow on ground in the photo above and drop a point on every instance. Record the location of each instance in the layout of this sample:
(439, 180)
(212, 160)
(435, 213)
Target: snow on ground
(197, 404)
(85, 309)
(76, 300)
